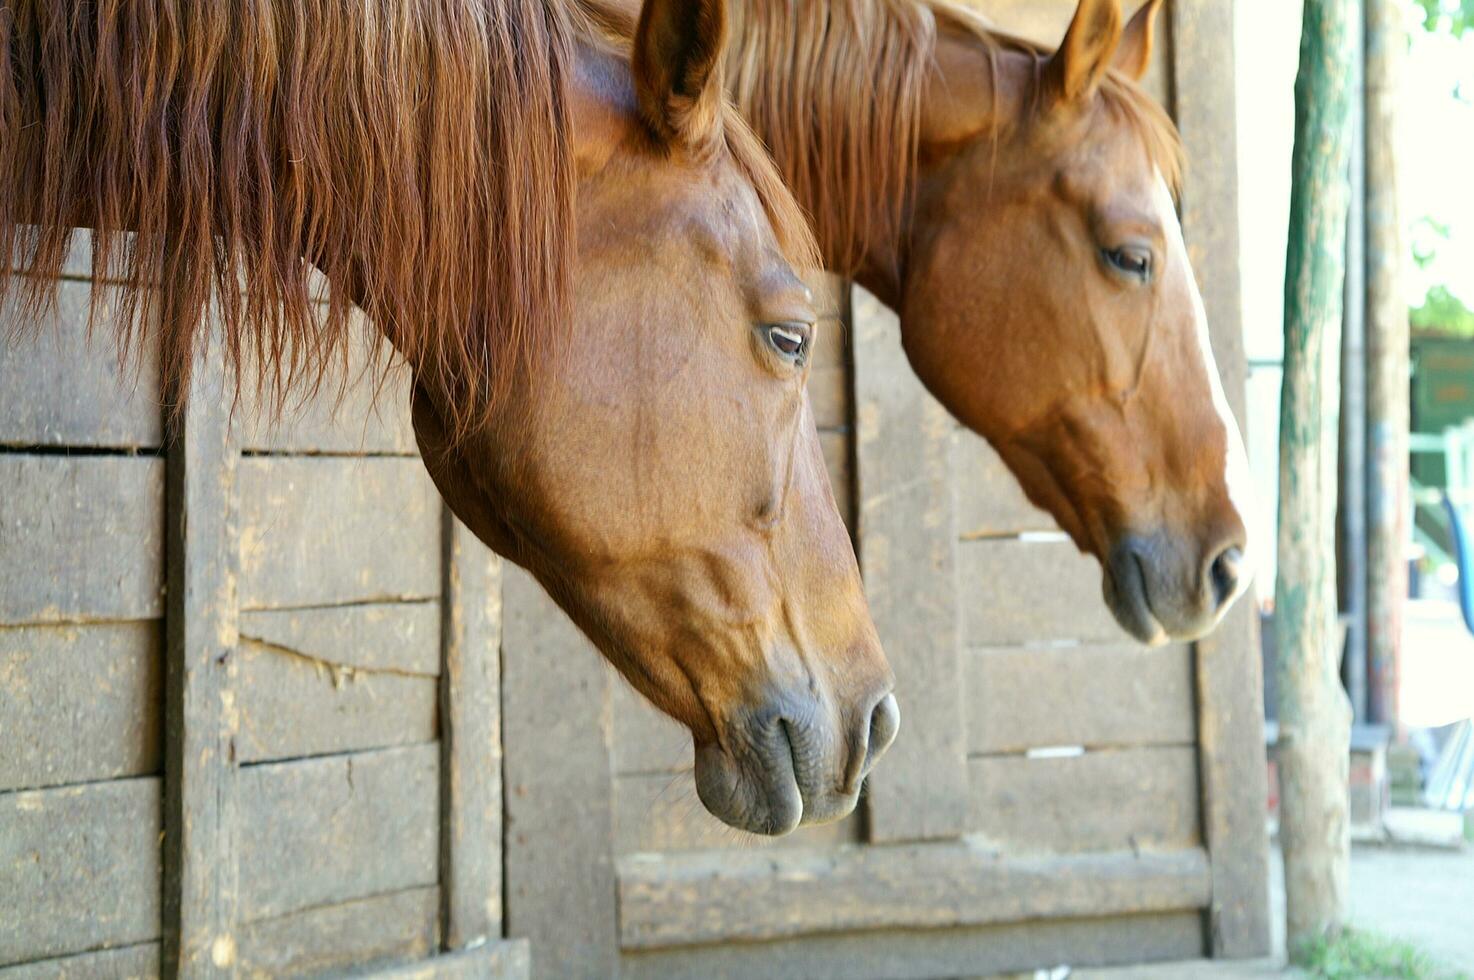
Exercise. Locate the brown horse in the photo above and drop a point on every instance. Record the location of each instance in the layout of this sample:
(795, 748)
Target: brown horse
(1015, 207)
(587, 264)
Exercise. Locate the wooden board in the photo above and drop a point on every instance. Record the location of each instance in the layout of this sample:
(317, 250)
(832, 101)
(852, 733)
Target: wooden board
(79, 703)
(57, 388)
(92, 847)
(836, 449)
(1095, 697)
(644, 740)
(501, 960)
(391, 637)
(1111, 800)
(78, 261)
(990, 503)
(907, 550)
(326, 531)
(139, 962)
(81, 538)
(1018, 591)
(292, 706)
(924, 954)
(370, 415)
(732, 896)
(385, 928)
(661, 812)
(556, 691)
(325, 831)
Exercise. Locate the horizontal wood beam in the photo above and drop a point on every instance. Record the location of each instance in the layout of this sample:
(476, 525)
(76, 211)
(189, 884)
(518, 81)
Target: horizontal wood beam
(712, 898)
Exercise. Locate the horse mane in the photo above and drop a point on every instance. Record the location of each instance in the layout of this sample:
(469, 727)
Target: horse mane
(835, 88)
(418, 154)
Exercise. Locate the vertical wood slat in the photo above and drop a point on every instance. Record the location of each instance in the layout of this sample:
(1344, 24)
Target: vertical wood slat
(1230, 687)
(559, 788)
(470, 740)
(202, 563)
(908, 557)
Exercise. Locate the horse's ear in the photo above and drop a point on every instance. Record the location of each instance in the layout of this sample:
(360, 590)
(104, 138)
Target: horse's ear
(1134, 56)
(1075, 70)
(677, 65)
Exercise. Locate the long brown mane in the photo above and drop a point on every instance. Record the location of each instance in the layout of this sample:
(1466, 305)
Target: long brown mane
(835, 88)
(417, 153)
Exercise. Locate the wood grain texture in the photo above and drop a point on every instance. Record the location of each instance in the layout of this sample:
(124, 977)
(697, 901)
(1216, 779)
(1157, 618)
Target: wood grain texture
(93, 847)
(644, 740)
(1230, 688)
(382, 929)
(508, 959)
(732, 897)
(556, 690)
(1095, 697)
(80, 703)
(1018, 591)
(989, 501)
(325, 831)
(924, 954)
(59, 389)
(661, 812)
(290, 706)
(397, 637)
(54, 512)
(471, 741)
(907, 550)
(324, 531)
(201, 633)
(836, 448)
(139, 962)
(1112, 800)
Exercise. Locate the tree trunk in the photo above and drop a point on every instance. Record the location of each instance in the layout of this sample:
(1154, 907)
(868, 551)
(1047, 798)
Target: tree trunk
(1314, 714)
(1387, 363)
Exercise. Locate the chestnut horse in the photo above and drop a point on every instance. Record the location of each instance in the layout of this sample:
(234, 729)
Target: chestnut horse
(587, 263)
(1016, 208)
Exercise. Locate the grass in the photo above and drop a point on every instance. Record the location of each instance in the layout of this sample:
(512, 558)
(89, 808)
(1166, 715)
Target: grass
(1358, 955)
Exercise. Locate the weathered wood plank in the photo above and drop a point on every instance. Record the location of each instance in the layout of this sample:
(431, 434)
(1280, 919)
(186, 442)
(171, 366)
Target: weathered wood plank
(326, 531)
(400, 637)
(80, 703)
(471, 741)
(201, 633)
(1095, 697)
(973, 951)
(57, 389)
(990, 502)
(56, 513)
(78, 261)
(907, 550)
(382, 929)
(1019, 591)
(1230, 688)
(770, 895)
(291, 706)
(507, 959)
(325, 831)
(1120, 799)
(836, 449)
(556, 694)
(94, 848)
(361, 407)
(646, 741)
(661, 812)
(139, 962)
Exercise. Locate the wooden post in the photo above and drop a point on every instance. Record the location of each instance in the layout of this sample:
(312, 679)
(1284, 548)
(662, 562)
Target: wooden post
(1314, 714)
(1229, 680)
(203, 560)
(1387, 363)
(471, 742)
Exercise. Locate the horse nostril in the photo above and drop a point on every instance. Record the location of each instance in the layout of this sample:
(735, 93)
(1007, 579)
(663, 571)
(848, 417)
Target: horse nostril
(885, 721)
(1224, 575)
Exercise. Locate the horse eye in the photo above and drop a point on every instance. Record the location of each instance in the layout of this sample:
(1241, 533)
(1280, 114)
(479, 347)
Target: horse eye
(1133, 261)
(789, 339)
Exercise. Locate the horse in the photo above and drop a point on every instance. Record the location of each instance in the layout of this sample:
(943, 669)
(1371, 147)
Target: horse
(586, 260)
(1015, 207)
